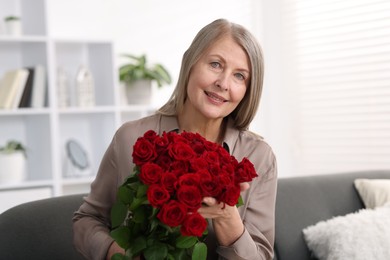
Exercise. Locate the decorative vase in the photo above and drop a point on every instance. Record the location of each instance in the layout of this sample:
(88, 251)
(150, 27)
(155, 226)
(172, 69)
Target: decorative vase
(13, 27)
(13, 167)
(139, 92)
(85, 87)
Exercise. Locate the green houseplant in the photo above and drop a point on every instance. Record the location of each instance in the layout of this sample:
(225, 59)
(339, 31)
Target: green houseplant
(13, 146)
(13, 25)
(13, 162)
(137, 75)
(11, 18)
(138, 69)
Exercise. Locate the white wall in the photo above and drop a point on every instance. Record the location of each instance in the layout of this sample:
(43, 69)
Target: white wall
(164, 29)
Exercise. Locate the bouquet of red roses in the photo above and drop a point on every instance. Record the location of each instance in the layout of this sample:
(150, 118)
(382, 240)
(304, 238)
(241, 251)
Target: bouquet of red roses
(156, 212)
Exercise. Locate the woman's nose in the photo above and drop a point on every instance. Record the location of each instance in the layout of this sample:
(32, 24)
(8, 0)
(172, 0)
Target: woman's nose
(222, 82)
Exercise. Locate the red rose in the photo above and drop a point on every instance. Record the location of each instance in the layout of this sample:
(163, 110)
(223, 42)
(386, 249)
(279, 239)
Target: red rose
(210, 146)
(209, 188)
(150, 135)
(231, 195)
(177, 138)
(189, 179)
(168, 180)
(157, 195)
(226, 158)
(181, 151)
(161, 143)
(150, 173)
(164, 161)
(179, 167)
(223, 179)
(245, 171)
(193, 225)
(211, 157)
(172, 213)
(189, 196)
(203, 174)
(198, 163)
(229, 169)
(143, 152)
(188, 136)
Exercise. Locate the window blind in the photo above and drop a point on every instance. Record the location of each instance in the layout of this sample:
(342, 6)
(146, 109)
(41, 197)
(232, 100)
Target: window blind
(339, 56)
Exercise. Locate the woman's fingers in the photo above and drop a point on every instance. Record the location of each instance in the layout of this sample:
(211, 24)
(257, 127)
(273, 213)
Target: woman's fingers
(244, 186)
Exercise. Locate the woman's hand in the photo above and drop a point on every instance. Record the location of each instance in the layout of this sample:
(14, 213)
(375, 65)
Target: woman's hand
(114, 249)
(226, 219)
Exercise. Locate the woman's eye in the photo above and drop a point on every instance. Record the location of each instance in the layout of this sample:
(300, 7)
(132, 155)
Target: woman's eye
(240, 76)
(215, 64)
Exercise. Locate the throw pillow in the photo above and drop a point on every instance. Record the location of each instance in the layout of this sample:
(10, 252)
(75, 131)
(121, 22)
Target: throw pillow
(361, 235)
(374, 192)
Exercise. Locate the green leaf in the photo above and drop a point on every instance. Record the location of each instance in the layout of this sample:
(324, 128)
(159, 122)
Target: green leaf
(119, 256)
(186, 242)
(180, 254)
(134, 186)
(137, 202)
(138, 245)
(157, 251)
(121, 236)
(240, 202)
(118, 214)
(200, 251)
(139, 215)
(141, 192)
(153, 224)
(125, 194)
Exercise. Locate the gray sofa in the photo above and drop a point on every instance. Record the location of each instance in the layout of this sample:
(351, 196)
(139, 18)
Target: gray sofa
(39, 230)
(43, 229)
(303, 201)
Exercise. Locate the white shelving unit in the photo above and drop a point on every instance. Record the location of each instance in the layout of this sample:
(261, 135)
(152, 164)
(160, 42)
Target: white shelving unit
(45, 131)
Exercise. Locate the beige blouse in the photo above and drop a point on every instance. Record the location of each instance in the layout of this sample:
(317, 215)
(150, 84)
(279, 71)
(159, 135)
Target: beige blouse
(91, 222)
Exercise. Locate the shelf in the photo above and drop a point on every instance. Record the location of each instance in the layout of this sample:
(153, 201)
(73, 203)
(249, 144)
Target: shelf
(23, 38)
(26, 185)
(87, 110)
(46, 131)
(77, 181)
(24, 112)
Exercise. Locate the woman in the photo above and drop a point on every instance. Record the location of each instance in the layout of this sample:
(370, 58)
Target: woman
(217, 95)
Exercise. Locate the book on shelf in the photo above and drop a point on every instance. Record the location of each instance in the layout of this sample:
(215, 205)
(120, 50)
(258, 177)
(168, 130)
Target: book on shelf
(39, 87)
(11, 88)
(25, 100)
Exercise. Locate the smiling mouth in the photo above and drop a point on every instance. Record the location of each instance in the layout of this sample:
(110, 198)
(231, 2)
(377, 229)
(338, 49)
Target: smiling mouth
(215, 97)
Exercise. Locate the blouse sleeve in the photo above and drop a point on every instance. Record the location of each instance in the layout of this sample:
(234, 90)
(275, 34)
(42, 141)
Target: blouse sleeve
(258, 213)
(91, 222)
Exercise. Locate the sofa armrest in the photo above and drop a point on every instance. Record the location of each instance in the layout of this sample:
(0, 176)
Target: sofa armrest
(40, 229)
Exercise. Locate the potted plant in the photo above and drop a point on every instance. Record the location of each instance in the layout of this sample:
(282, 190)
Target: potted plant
(13, 162)
(13, 25)
(138, 75)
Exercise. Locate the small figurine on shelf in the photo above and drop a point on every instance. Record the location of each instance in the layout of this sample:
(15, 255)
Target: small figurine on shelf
(85, 88)
(13, 25)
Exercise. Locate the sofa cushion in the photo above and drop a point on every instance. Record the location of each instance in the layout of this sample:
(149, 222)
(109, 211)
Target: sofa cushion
(374, 193)
(361, 235)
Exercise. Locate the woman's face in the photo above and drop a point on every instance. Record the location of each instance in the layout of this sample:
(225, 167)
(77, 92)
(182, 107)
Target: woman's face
(218, 81)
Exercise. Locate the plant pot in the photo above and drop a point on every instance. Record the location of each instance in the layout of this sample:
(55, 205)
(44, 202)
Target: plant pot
(13, 167)
(139, 92)
(13, 27)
